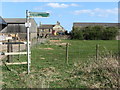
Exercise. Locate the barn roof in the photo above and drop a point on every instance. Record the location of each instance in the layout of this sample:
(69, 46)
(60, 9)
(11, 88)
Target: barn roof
(17, 20)
(94, 23)
(46, 26)
(12, 28)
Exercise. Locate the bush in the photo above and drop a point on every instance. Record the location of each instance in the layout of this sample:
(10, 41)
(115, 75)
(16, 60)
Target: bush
(97, 31)
(77, 33)
(86, 32)
(109, 33)
(94, 33)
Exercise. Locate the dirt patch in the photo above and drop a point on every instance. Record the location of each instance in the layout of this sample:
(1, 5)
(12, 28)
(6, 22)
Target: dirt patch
(62, 44)
(55, 40)
(42, 58)
(47, 48)
(58, 42)
(1, 82)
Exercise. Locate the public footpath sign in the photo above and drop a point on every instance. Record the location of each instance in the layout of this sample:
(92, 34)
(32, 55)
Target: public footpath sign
(38, 14)
(28, 25)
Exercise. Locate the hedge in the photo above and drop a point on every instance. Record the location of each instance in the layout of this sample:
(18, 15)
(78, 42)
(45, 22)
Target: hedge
(94, 33)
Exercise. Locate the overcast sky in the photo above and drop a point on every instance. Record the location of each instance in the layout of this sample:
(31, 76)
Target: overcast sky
(64, 12)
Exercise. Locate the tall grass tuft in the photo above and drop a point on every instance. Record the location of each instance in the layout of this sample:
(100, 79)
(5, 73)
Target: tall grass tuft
(101, 73)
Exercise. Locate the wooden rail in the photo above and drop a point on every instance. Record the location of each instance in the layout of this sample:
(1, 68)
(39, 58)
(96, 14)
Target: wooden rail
(13, 42)
(13, 53)
(17, 63)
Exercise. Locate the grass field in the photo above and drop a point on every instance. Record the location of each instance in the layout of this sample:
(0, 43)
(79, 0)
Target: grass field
(48, 64)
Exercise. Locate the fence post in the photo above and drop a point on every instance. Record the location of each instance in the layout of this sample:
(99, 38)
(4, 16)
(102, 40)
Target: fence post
(67, 44)
(19, 51)
(9, 49)
(97, 51)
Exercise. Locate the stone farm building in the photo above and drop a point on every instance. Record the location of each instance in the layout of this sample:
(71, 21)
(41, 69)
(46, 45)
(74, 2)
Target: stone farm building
(17, 26)
(49, 29)
(85, 24)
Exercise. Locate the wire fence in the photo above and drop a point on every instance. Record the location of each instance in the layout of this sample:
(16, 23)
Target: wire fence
(50, 57)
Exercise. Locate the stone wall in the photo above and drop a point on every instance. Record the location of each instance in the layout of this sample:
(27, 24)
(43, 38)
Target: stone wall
(59, 37)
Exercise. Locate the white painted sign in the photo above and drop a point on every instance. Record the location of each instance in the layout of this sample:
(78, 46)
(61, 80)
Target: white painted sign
(38, 14)
(27, 24)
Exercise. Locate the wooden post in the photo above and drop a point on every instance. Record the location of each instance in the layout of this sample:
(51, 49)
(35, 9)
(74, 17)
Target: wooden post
(118, 74)
(19, 51)
(67, 44)
(97, 51)
(9, 49)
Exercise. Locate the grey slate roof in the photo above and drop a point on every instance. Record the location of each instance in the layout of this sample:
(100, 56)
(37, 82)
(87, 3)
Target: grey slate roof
(46, 26)
(15, 20)
(18, 20)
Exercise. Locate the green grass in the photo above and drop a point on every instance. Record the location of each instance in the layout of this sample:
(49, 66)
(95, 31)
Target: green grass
(43, 61)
